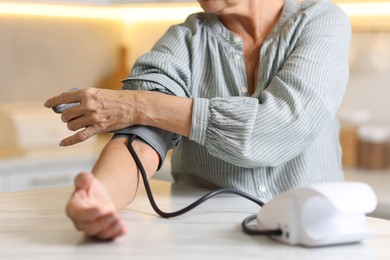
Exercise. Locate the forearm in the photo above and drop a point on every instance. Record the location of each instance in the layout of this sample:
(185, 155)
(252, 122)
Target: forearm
(117, 170)
(167, 112)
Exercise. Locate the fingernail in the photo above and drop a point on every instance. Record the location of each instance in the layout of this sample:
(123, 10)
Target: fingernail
(96, 215)
(111, 220)
(95, 212)
(117, 227)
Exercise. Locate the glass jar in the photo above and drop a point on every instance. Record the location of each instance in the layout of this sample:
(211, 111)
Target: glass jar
(374, 147)
(350, 122)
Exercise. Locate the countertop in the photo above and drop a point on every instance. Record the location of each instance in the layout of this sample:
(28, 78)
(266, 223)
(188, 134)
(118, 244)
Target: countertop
(33, 225)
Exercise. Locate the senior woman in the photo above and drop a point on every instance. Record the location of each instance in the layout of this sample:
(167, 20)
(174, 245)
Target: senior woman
(247, 92)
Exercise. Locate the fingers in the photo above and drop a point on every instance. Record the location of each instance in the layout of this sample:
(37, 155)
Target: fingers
(83, 181)
(98, 111)
(92, 211)
(72, 113)
(109, 226)
(81, 216)
(115, 230)
(89, 106)
(80, 136)
(64, 98)
(94, 224)
(78, 122)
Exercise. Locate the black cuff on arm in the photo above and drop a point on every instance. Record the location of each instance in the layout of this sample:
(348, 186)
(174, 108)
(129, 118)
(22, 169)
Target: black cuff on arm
(160, 140)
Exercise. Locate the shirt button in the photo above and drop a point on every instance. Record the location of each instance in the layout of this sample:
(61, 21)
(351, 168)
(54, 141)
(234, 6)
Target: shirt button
(237, 57)
(244, 90)
(261, 188)
(237, 39)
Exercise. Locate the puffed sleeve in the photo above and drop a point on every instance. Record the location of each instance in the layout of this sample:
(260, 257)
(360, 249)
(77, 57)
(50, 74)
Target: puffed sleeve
(299, 102)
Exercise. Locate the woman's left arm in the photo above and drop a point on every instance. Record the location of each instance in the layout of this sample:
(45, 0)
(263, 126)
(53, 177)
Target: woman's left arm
(103, 110)
(298, 104)
(167, 105)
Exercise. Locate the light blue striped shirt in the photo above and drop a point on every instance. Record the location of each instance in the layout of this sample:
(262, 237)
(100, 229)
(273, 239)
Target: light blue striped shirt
(283, 136)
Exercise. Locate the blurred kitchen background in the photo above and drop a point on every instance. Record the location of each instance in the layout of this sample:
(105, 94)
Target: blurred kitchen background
(48, 47)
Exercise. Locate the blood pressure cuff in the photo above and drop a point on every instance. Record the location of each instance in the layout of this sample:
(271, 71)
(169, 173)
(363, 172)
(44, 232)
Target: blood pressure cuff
(160, 140)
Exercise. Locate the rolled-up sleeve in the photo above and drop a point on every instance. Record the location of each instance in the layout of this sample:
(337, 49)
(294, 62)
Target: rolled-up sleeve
(164, 69)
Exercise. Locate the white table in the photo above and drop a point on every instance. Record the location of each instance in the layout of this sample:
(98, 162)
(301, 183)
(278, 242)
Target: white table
(33, 226)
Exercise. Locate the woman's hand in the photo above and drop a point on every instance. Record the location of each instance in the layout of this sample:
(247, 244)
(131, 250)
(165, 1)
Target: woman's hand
(103, 110)
(100, 110)
(91, 210)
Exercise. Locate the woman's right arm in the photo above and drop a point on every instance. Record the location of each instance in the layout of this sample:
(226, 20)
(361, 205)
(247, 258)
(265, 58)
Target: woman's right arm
(113, 184)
